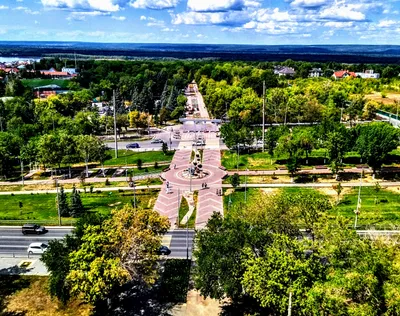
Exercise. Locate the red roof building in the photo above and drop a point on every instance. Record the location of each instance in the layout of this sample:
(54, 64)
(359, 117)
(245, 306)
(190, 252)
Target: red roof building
(344, 74)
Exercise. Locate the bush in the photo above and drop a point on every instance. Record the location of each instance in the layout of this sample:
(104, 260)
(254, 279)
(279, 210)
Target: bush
(156, 165)
(139, 164)
(107, 182)
(384, 200)
(91, 189)
(120, 190)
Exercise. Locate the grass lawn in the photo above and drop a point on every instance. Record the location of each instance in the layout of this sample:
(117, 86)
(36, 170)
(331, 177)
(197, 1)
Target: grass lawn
(379, 209)
(263, 161)
(33, 83)
(130, 157)
(41, 208)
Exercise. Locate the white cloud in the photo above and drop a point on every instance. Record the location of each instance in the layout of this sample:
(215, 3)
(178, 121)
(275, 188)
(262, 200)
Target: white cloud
(265, 15)
(143, 18)
(100, 5)
(224, 18)
(387, 23)
(119, 18)
(26, 10)
(154, 4)
(220, 5)
(154, 22)
(82, 15)
(339, 25)
(3, 7)
(309, 4)
(342, 13)
(167, 29)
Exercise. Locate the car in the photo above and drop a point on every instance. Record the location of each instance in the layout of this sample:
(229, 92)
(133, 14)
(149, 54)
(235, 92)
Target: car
(37, 248)
(157, 141)
(186, 131)
(164, 250)
(33, 229)
(199, 143)
(133, 145)
(206, 131)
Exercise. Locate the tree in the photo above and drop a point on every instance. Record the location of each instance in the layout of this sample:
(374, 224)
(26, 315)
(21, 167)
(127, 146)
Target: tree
(338, 188)
(76, 207)
(88, 148)
(375, 142)
(234, 180)
(336, 146)
(121, 249)
(164, 148)
(63, 203)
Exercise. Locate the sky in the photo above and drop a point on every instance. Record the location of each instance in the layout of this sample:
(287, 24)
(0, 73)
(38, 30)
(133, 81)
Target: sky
(264, 22)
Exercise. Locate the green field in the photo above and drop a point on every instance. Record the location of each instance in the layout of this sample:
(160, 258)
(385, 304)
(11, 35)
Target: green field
(264, 161)
(129, 157)
(380, 210)
(33, 83)
(42, 207)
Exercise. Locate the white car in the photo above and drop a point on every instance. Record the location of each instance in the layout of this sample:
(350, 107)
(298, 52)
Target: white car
(37, 248)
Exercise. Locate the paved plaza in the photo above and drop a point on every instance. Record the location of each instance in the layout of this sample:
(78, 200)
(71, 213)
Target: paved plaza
(177, 180)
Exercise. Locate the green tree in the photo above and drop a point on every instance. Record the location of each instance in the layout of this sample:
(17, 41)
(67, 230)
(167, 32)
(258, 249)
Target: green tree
(234, 180)
(121, 249)
(164, 148)
(63, 203)
(76, 208)
(336, 146)
(375, 142)
(89, 149)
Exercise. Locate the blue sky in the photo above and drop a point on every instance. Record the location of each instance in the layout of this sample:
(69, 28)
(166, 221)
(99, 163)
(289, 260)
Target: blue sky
(203, 21)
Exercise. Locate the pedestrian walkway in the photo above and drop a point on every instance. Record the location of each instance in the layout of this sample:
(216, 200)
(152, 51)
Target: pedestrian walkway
(209, 199)
(168, 200)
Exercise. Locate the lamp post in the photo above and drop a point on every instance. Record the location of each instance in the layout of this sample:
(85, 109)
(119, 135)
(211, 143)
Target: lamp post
(357, 211)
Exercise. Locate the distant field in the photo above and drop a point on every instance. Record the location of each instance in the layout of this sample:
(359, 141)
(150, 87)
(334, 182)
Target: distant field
(33, 83)
(42, 207)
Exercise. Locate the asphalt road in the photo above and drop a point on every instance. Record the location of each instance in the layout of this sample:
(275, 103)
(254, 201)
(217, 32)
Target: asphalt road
(13, 242)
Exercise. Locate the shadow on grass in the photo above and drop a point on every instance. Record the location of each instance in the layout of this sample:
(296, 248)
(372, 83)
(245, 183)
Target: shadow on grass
(135, 299)
(9, 284)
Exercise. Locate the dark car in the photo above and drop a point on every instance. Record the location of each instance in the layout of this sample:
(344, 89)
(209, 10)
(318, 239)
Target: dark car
(164, 250)
(133, 145)
(33, 229)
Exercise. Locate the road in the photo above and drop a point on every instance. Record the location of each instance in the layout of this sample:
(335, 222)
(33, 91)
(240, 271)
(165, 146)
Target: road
(13, 242)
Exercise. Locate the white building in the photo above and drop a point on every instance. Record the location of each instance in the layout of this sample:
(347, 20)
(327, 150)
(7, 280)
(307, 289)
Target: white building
(71, 71)
(316, 72)
(368, 74)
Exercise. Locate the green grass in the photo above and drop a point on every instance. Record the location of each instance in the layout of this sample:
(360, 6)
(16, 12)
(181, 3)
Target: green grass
(375, 211)
(380, 209)
(33, 83)
(42, 207)
(237, 198)
(264, 161)
(129, 157)
(183, 209)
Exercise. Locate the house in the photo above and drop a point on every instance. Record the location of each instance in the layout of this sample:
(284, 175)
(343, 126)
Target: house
(44, 92)
(284, 71)
(71, 71)
(368, 74)
(11, 70)
(316, 72)
(56, 74)
(343, 74)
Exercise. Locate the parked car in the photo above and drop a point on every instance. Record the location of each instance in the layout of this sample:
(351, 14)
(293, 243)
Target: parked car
(133, 145)
(33, 229)
(199, 143)
(156, 141)
(37, 248)
(164, 250)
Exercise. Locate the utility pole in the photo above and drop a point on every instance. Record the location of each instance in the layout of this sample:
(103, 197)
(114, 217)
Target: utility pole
(357, 211)
(22, 171)
(58, 205)
(263, 119)
(115, 127)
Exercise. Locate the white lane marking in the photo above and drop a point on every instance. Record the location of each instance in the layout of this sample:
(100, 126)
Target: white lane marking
(33, 237)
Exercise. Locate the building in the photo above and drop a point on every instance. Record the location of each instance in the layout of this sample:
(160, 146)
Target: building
(71, 71)
(44, 92)
(341, 74)
(56, 74)
(368, 74)
(316, 72)
(284, 71)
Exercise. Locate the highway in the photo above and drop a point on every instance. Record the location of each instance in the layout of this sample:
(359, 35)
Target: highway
(13, 242)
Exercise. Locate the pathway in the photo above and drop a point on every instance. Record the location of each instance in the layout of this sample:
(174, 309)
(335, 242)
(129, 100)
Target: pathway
(167, 203)
(209, 200)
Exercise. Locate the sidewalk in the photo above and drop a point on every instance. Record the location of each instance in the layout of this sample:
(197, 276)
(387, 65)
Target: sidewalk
(12, 266)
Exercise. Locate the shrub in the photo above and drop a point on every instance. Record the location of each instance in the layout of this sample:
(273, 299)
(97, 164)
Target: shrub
(107, 182)
(91, 189)
(156, 165)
